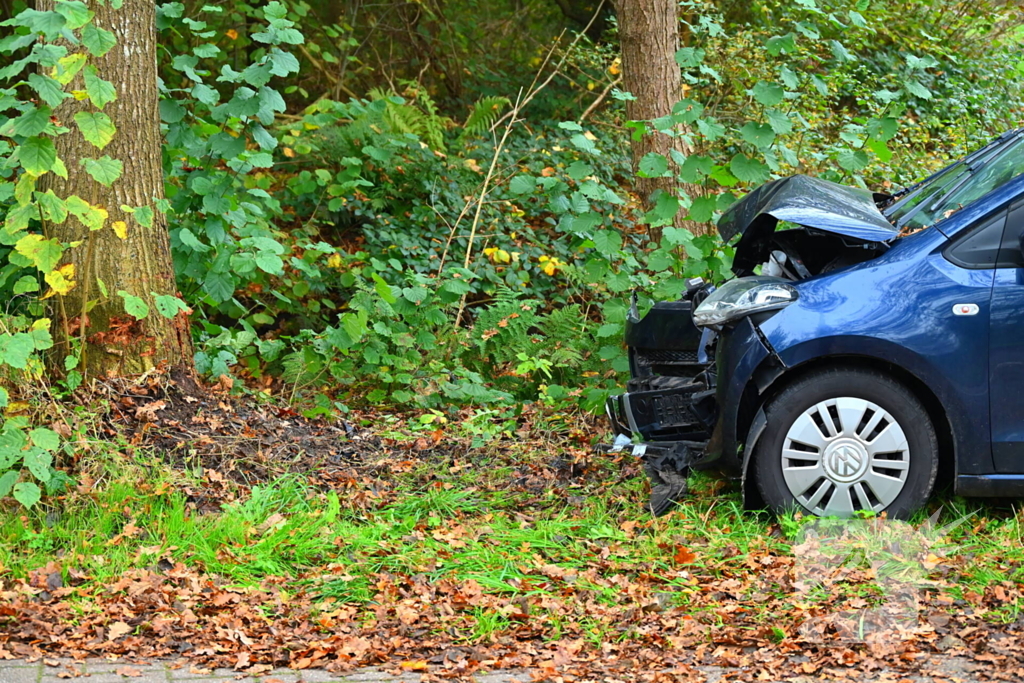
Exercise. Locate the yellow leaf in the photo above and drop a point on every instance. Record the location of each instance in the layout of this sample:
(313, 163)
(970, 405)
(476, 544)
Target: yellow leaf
(60, 280)
(120, 229)
(80, 95)
(334, 261)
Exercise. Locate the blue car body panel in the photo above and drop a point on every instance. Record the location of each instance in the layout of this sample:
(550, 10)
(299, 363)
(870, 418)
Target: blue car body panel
(898, 308)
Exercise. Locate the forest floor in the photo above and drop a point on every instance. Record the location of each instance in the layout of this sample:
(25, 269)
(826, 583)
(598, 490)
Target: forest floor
(221, 534)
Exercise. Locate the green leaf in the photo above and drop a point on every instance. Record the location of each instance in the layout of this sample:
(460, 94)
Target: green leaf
(144, 216)
(44, 253)
(852, 160)
(133, 305)
(578, 170)
(104, 170)
(760, 135)
(703, 208)
(607, 242)
(38, 463)
(883, 129)
(96, 128)
(748, 170)
(710, 129)
(271, 263)
(54, 208)
(695, 168)
(522, 184)
(75, 12)
(48, 89)
(7, 482)
(666, 206)
(584, 143)
(92, 217)
(27, 493)
(916, 89)
(47, 23)
(789, 78)
(37, 155)
(779, 121)
(220, 286)
(689, 57)
(97, 40)
(768, 94)
(44, 438)
(777, 45)
(171, 111)
(820, 85)
(653, 165)
(15, 349)
(383, 289)
(840, 52)
(25, 285)
(169, 306)
(101, 92)
(881, 150)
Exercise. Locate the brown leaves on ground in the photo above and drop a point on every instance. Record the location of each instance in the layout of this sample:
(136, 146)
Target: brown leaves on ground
(735, 616)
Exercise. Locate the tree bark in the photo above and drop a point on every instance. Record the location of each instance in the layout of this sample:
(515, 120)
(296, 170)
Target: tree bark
(649, 40)
(140, 264)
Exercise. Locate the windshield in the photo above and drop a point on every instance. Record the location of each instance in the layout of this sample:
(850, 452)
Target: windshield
(960, 184)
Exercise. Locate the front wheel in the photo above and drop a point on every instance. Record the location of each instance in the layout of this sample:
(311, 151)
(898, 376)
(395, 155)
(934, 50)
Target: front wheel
(840, 441)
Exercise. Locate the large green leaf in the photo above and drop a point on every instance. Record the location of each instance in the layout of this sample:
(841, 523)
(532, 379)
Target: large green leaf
(607, 242)
(15, 349)
(748, 170)
(96, 128)
(54, 208)
(702, 209)
(104, 170)
(75, 13)
(768, 94)
(27, 493)
(760, 135)
(133, 305)
(44, 253)
(97, 40)
(169, 306)
(38, 463)
(101, 92)
(48, 89)
(37, 155)
(653, 165)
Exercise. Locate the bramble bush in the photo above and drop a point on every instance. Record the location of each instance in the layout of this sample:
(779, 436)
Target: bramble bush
(347, 253)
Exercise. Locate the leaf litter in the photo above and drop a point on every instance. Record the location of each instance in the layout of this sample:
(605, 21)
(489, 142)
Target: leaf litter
(534, 575)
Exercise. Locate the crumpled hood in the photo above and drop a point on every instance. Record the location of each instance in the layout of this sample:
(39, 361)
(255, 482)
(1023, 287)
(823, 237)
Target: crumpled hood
(810, 202)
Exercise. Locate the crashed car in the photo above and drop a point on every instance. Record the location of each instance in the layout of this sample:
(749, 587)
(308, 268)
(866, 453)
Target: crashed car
(869, 346)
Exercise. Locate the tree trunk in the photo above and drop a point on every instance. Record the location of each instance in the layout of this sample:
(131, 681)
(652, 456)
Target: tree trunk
(138, 263)
(649, 40)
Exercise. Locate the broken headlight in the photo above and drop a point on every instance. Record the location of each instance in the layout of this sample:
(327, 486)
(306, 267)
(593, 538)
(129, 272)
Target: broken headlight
(741, 297)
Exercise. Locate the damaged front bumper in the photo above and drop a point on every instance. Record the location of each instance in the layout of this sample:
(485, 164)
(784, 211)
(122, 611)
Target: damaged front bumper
(674, 424)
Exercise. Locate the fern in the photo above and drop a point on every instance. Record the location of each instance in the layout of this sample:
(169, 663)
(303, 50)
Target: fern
(483, 115)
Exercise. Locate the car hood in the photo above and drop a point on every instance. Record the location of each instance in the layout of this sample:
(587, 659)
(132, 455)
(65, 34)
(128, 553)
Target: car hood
(810, 202)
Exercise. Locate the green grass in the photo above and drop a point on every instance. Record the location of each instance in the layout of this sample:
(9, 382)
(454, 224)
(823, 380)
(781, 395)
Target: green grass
(588, 538)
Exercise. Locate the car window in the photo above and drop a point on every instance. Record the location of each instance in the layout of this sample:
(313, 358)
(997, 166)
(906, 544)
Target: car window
(961, 190)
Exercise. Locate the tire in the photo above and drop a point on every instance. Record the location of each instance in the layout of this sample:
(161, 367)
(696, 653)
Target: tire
(842, 440)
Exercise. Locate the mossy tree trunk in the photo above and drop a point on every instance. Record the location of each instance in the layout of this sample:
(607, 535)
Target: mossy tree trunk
(132, 258)
(649, 40)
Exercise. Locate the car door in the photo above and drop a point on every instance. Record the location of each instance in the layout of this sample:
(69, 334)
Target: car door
(1006, 348)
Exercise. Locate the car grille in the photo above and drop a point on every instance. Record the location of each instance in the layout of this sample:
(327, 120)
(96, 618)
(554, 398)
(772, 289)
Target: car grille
(653, 357)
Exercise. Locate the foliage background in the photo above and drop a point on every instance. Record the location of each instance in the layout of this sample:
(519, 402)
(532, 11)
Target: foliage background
(357, 218)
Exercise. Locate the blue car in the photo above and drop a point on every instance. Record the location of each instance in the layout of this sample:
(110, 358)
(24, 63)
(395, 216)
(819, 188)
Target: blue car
(870, 347)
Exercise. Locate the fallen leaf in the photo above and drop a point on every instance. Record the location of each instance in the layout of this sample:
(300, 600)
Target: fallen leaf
(128, 672)
(118, 629)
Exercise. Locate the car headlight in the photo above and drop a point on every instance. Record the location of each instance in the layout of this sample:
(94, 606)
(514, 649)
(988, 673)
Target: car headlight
(741, 297)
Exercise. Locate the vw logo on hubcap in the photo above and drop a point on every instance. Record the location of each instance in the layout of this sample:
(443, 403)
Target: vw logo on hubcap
(845, 460)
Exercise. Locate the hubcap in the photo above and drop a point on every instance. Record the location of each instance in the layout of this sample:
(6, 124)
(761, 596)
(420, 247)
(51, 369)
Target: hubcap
(845, 454)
